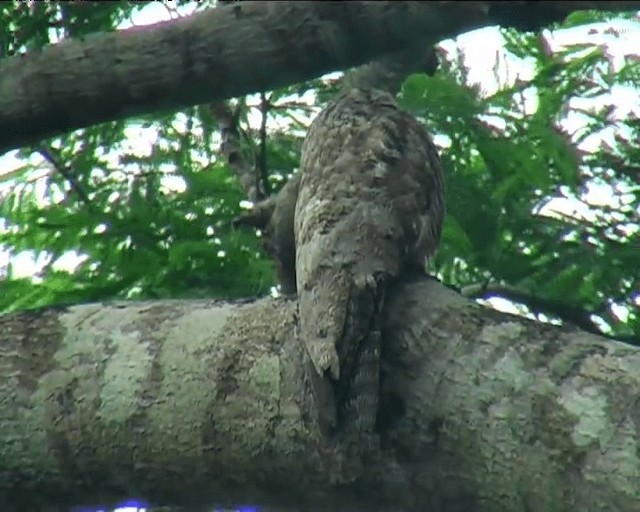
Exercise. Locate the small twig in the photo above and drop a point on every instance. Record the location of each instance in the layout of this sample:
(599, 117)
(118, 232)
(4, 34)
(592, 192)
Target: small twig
(565, 312)
(298, 105)
(262, 157)
(66, 174)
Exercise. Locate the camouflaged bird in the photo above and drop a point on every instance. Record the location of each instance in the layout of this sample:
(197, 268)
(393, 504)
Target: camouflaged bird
(370, 208)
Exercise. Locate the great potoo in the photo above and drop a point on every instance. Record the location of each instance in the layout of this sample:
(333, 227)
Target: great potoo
(370, 208)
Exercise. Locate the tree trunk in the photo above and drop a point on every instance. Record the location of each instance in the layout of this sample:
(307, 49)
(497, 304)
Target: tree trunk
(229, 51)
(195, 402)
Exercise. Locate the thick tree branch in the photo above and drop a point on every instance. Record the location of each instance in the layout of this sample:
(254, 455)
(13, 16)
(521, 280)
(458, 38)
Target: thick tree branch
(229, 51)
(200, 402)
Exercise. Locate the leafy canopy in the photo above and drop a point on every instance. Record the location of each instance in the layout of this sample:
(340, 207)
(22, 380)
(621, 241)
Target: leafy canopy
(143, 208)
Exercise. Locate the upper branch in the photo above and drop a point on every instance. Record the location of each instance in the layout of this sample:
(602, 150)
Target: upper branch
(229, 51)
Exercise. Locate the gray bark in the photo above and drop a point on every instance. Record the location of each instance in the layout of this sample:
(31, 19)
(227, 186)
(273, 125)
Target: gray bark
(228, 51)
(195, 402)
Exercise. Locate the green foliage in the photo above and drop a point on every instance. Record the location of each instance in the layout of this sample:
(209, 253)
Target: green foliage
(504, 169)
(28, 26)
(152, 219)
(138, 237)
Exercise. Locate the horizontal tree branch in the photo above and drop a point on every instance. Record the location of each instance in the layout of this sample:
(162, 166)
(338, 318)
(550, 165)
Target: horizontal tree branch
(229, 51)
(194, 402)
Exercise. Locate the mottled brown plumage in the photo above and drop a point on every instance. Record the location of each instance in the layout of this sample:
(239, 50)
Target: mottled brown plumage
(370, 208)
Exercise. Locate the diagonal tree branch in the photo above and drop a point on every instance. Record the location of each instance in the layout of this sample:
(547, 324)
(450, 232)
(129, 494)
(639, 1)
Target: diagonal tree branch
(229, 51)
(576, 315)
(67, 174)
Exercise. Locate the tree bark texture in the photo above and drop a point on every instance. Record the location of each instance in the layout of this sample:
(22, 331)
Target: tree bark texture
(232, 50)
(196, 402)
